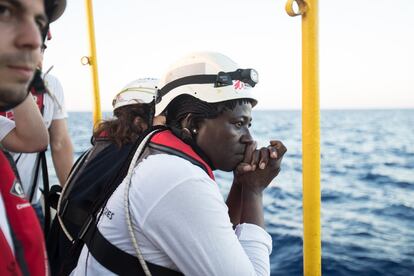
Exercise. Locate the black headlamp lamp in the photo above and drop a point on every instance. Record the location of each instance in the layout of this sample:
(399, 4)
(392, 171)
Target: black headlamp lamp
(248, 76)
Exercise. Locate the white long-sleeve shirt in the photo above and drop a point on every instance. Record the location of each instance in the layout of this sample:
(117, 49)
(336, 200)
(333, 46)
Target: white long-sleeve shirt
(181, 222)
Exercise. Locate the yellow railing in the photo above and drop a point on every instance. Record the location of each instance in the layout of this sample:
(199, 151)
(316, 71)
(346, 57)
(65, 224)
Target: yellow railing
(308, 9)
(93, 62)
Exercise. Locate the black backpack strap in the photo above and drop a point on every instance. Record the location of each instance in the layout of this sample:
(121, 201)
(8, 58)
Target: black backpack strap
(116, 260)
(12, 164)
(79, 162)
(36, 176)
(46, 191)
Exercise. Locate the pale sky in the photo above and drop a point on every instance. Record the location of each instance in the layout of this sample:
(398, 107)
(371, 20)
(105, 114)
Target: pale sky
(366, 48)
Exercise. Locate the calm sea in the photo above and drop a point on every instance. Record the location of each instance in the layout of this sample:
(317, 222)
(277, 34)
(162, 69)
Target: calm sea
(367, 179)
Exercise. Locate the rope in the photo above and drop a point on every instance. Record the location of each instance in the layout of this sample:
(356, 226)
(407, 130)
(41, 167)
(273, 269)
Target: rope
(126, 203)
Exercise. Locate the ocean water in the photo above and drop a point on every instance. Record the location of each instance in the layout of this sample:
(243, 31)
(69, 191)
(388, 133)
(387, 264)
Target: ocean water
(367, 182)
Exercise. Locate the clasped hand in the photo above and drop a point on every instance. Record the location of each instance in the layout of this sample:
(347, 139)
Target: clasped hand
(259, 166)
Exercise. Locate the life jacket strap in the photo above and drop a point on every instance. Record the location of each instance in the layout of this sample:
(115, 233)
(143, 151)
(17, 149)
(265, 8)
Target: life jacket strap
(167, 142)
(116, 260)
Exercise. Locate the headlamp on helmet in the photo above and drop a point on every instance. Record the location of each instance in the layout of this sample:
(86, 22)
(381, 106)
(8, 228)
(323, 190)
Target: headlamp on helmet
(248, 76)
(208, 76)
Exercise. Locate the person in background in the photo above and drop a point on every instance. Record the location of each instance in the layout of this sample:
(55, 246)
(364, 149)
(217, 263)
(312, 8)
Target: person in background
(168, 217)
(32, 167)
(48, 92)
(55, 119)
(113, 139)
(133, 107)
(23, 23)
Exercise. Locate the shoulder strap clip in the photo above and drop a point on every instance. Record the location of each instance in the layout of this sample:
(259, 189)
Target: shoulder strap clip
(85, 227)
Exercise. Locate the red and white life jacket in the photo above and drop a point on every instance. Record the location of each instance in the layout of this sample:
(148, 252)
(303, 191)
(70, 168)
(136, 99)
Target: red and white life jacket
(29, 257)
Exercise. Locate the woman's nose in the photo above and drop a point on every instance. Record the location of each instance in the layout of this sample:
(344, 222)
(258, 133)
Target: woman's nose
(246, 138)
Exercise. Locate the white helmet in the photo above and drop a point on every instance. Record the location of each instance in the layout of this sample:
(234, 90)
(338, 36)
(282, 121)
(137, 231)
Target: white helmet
(208, 76)
(140, 91)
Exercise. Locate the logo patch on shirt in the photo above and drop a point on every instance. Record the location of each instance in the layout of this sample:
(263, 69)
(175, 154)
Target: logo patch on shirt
(17, 189)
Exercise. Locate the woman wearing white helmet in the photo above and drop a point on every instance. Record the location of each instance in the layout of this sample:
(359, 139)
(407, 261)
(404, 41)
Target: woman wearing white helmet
(132, 112)
(168, 216)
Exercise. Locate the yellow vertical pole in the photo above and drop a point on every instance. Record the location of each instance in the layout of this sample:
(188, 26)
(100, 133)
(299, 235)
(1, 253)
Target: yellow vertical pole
(311, 141)
(93, 62)
(310, 136)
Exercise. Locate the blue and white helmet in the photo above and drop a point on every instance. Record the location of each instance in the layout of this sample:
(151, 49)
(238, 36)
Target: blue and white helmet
(208, 76)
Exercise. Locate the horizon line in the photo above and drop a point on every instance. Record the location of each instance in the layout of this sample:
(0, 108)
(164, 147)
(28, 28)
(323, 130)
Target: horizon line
(292, 109)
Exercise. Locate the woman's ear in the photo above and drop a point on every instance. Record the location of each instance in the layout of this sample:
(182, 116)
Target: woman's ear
(140, 123)
(188, 127)
(186, 134)
(187, 121)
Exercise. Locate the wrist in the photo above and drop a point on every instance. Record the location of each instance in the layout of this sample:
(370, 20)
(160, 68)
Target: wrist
(252, 206)
(237, 184)
(252, 190)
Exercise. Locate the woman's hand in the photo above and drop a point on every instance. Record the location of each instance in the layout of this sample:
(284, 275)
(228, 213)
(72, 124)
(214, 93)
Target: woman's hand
(260, 166)
(253, 175)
